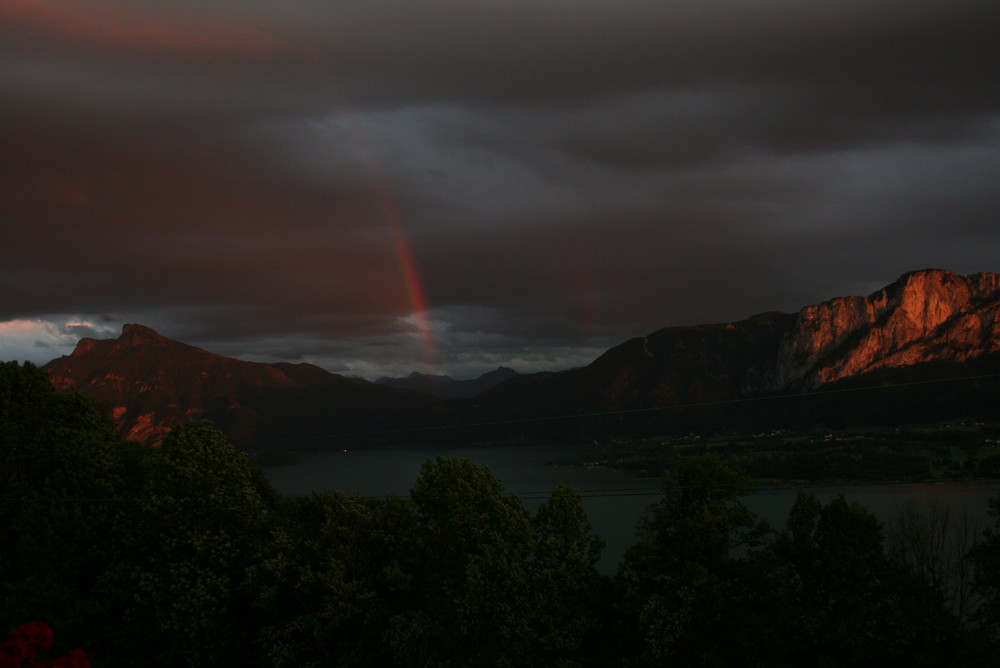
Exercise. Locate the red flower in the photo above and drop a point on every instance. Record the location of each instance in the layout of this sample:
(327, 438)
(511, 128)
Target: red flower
(23, 646)
(35, 633)
(76, 659)
(15, 651)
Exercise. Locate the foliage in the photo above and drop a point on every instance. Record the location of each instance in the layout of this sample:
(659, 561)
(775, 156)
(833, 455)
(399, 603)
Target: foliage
(694, 564)
(469, 571)
(850, 602)
(936, 543)
(189, 537)
(183, 555)
(565, 583)
(985, 557)
(63, 475)
(327, 578)
(137, 554)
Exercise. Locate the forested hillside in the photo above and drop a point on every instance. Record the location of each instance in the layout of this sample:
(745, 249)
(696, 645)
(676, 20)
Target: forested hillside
(183, 555)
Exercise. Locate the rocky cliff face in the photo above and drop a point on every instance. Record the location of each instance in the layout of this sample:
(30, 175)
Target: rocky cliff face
(925, 315)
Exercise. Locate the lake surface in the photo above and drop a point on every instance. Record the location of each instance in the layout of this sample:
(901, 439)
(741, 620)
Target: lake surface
(613, 500)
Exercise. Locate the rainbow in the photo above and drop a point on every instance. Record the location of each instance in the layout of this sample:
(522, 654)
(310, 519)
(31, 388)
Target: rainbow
(405, 258)
(407, 263)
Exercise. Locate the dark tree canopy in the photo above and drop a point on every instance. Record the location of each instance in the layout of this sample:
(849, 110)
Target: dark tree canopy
(184, 556)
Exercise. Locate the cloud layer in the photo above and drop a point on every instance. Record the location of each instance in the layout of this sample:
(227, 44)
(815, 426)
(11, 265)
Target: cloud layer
(262, 179)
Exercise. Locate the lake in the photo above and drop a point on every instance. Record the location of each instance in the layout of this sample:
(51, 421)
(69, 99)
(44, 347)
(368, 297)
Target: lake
(613, 500)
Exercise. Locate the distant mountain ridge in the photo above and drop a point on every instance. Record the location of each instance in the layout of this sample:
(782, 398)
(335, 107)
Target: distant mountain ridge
(447, 387)
(925, 318)
(152, 383)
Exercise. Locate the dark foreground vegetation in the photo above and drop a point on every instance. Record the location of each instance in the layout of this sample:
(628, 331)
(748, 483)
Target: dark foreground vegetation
(184, 556)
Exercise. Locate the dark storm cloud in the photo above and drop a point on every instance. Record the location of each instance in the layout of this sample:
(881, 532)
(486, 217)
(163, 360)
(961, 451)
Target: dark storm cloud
(253, 177)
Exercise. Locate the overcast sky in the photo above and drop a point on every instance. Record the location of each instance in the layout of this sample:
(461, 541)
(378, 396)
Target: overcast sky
(385, 186)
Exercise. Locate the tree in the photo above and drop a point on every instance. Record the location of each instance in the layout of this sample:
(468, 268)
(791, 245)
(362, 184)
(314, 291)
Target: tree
(692, 571)
(564, 578)
(64, 477)
(850, 603)
(935, 544)
(193, 531)
(469, 569)
(985, 557)
(329, 577)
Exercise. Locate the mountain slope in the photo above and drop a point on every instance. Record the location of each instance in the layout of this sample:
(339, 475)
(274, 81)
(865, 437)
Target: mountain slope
(152, 383)
(927, 316)
(927, 325)
(672, 366)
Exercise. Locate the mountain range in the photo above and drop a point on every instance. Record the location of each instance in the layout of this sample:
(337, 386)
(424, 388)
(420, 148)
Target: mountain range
(447, 387)
(151, 383)
(928, 325)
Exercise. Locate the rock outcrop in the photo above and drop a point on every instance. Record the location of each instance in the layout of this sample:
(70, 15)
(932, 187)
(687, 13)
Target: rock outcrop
(152, 383)
(924, 316)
